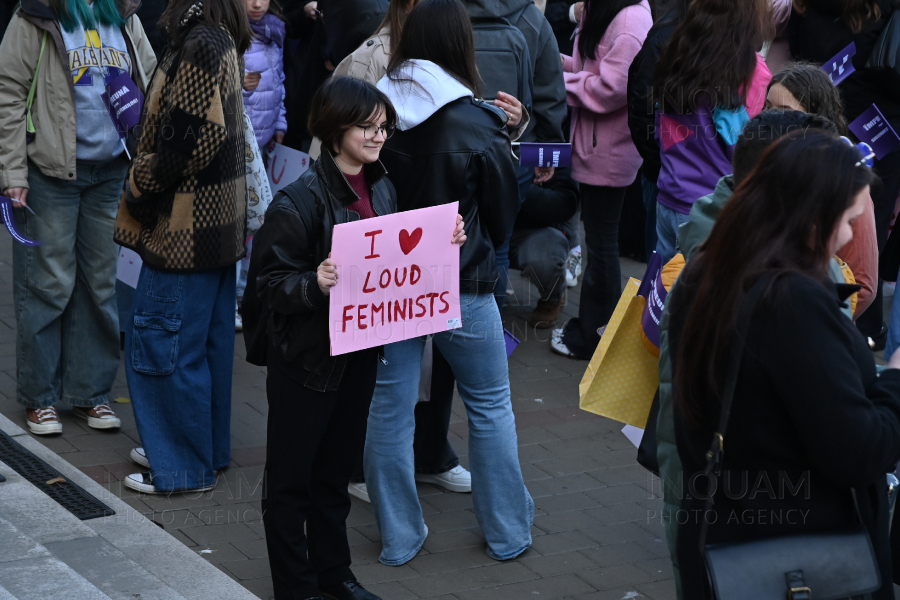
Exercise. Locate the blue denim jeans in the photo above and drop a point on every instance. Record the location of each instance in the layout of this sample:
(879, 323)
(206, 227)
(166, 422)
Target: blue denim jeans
(667, 223)
(179, 353)
(67, 344)
(503, 506)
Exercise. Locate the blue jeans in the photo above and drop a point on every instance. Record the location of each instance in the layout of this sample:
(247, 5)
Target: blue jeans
(667, 223)
(179, 350)
(67, 344)
(503, 506)
(651, 191)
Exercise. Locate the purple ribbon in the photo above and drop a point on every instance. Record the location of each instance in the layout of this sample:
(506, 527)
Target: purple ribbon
(6, 206)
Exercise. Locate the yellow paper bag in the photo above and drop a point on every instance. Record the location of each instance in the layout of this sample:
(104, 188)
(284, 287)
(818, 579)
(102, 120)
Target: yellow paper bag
(623, 375)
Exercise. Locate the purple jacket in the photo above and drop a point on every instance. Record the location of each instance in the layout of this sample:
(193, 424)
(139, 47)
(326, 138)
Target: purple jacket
(696, 148)
(265, 104)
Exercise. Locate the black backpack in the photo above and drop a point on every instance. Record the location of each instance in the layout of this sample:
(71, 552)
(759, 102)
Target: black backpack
(503, 60)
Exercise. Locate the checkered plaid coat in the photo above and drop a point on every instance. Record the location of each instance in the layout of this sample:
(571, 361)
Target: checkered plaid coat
(185, 199)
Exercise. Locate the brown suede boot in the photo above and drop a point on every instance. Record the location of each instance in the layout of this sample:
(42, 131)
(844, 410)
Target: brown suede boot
(546, 313)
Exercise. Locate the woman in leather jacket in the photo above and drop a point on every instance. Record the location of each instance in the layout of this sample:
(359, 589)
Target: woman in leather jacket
(450, 147)
(318, 404)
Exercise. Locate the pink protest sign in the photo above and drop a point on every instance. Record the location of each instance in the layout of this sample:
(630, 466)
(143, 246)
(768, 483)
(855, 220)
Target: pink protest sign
(398, 278)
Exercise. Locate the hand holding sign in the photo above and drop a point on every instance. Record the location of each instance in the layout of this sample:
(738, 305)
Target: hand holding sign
(396, 277)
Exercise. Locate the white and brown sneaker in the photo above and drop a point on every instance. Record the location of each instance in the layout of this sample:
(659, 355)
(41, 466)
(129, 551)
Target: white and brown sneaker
(43, 421)
(99, 417)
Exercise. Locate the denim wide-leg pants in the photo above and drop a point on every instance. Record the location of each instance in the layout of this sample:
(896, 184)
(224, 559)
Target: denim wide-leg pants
(67, 343)
(477, 355)
(179, 356)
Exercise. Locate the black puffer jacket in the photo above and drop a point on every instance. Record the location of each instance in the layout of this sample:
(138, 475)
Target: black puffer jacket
(461, 152)
(819, 34)
(283, 305)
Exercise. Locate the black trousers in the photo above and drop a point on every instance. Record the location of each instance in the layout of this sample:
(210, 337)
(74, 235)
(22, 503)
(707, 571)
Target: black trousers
(313, 441)
(601, 208)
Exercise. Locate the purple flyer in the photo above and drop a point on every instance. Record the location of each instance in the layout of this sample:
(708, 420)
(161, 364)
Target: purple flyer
(873, 129)
(124, 102)
(545, 155)
(840, 67)
(655, 292)
(6, 208)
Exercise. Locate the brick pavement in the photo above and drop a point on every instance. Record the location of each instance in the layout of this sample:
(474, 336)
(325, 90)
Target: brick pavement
(592, 538)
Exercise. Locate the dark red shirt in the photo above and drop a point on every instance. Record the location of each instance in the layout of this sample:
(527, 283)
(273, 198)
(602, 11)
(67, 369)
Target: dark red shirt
(363, 206)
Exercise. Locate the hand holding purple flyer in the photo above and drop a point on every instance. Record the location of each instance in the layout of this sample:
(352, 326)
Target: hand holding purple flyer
(6, 206)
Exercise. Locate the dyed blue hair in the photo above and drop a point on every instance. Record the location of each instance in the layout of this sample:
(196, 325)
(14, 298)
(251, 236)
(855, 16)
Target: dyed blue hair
(76, 12)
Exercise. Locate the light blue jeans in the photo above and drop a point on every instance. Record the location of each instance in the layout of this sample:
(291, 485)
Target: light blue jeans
(503, 506)
(67, 344)
(667, 223)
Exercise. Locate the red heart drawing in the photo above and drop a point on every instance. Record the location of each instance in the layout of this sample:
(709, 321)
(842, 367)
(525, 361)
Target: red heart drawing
(408, 242)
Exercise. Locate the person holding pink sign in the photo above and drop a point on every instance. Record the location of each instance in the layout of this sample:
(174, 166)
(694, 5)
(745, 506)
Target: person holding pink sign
(450, 147)
(318, 403)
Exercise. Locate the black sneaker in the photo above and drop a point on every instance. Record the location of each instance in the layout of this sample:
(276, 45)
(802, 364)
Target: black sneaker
(877, 343)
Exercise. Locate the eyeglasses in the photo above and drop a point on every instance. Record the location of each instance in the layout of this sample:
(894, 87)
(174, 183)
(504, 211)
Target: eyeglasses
(371, 131)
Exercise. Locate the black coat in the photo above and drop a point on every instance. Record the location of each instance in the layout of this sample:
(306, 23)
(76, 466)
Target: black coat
(461, 152)
(809, 407)
(819, 34)
(641, 108)
(288, 310)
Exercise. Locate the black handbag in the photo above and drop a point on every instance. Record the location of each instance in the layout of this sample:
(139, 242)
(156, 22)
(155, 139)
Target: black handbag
(826, 565)
(886, 53)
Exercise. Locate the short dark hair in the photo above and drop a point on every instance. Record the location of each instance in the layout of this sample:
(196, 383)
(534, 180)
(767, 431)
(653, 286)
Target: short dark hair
(342, 102)
(765, 129)
(230, 14)
(813, 90)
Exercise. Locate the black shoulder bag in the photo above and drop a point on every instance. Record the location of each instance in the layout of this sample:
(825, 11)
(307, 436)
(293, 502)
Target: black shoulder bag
(825, 565)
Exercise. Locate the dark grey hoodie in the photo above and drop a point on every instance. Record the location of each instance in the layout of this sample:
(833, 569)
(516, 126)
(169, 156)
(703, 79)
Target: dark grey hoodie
(549, 94)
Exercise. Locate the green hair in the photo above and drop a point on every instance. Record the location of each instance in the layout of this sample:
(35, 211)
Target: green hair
(78, 12)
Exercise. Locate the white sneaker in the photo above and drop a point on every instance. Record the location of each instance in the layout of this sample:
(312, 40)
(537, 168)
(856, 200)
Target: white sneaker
(573, 267)
(558, 346)
(46, 421)
(142, 482)
(238, 322)
(98, 417)
(456, 479)
(359, 490)
(140, 457)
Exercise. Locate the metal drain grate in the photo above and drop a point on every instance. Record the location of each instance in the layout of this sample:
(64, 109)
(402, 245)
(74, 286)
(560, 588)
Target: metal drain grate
(69, 495)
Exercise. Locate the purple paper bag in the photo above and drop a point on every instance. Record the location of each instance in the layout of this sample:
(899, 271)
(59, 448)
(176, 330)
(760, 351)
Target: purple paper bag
(873, 129)
(545, 155)
(840, 67)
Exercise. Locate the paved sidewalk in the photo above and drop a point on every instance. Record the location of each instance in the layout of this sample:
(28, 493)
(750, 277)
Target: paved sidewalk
(592, 536)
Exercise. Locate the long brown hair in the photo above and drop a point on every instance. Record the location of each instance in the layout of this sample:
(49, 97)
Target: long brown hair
(230, 14)
(394, 19)
(439, 31)
(711, 57)
(780, 220)
(857, 13)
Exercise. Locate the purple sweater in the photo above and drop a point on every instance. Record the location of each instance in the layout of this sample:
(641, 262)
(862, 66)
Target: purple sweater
(265, 104)
(603, 153)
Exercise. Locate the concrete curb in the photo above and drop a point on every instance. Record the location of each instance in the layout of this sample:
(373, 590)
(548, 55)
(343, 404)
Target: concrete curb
(175, 565)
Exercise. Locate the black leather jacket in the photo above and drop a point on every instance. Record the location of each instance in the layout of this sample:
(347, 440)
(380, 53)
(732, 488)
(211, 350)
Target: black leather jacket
(293, 241)
(461, 152)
